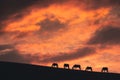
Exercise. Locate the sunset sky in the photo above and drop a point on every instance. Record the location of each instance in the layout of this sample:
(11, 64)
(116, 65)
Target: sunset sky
(85, 32)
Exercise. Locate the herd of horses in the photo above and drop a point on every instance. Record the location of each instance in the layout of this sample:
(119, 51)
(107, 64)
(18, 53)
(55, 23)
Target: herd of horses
(77, 66)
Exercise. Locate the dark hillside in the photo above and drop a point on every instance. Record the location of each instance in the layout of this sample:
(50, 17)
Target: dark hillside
(18, 71)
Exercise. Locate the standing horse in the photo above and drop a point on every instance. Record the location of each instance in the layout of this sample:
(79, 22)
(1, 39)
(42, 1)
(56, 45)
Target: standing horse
(88, 68)
(55, 65)
(66, 66)
(76, 66)
(104, 69)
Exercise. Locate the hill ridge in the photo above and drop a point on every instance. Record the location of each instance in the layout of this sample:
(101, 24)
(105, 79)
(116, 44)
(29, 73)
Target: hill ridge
(16, 71)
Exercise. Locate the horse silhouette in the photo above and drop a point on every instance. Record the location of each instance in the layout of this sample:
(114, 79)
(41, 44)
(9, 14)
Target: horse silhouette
(76, 66)
(104, 69)
(55, 65)
(66, 66)
(88, 68)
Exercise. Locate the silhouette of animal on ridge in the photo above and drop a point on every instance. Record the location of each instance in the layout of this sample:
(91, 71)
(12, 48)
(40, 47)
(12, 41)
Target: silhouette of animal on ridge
(88, 68)
(66, 66)
(76, 66)
(104, 69)
(55, 65)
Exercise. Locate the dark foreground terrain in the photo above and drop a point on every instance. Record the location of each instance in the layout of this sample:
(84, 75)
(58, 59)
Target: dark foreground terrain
(17, 71)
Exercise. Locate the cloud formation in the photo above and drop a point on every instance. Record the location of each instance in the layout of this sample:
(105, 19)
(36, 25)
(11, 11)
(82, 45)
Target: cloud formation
(13, 56)
(95, 4)
(10, 54)
(5, 46)
(51, 25)
(106, 35)
(79, 53)
(10, 7)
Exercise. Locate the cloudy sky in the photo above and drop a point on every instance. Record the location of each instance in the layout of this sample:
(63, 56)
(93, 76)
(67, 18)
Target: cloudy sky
(85, 32)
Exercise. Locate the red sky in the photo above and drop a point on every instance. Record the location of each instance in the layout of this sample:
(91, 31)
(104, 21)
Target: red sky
(85, 32)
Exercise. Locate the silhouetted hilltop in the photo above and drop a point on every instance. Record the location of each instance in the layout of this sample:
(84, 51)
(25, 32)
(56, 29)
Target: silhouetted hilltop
(19, 71)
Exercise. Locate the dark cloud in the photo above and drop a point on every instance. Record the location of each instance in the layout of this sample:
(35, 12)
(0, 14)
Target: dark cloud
(48, 25)
(50, 28)
(5, 46)
(106, 35)
(9, 7)
(71, 56)
(19, 35)
(97, 21)
(1, 32)
(95, 4)
(12, 55)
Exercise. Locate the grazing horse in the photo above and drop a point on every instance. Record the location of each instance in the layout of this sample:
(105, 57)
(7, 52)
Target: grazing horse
(66, 66)
(55, 65)
(76, 66)
(104, 69)
(88, 68)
